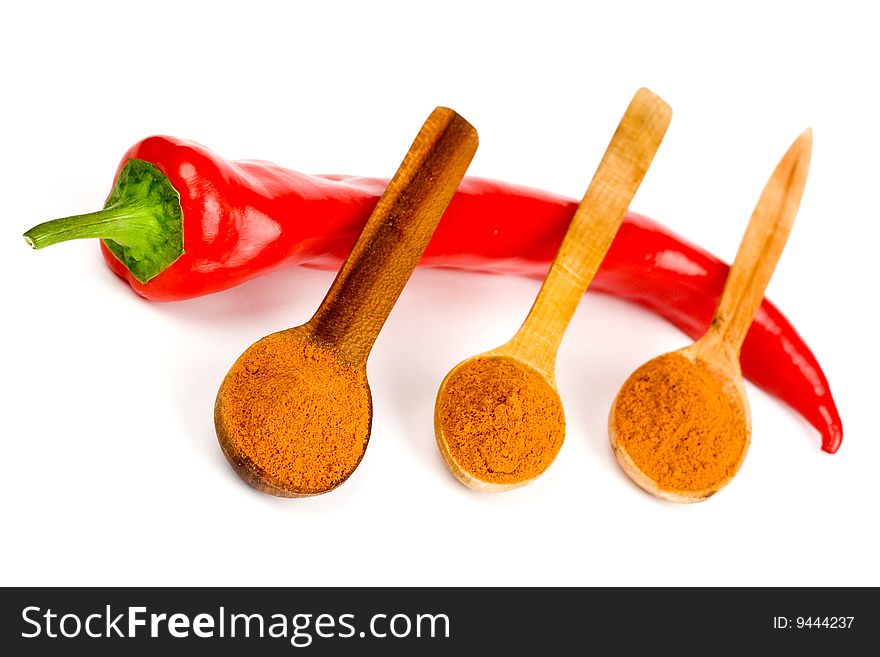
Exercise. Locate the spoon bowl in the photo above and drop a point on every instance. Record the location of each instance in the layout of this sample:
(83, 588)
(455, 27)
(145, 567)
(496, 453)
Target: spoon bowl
(725, 404)
(297, 388)
(479, 403)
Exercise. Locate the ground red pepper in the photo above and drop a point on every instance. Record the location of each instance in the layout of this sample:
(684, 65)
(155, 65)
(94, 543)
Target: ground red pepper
(182, 222)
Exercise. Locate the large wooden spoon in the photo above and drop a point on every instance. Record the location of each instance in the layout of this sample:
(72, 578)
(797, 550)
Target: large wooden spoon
(293, 414)
(498, 418)
(686, 457)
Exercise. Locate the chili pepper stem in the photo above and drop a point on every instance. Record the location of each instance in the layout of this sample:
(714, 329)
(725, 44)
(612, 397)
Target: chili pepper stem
(141, 223)
(122, 222)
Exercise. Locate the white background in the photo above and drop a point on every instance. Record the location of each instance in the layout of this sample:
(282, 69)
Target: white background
(111, 470)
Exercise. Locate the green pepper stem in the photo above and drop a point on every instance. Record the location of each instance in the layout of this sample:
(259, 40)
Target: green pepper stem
(141, 223)
(123, 222)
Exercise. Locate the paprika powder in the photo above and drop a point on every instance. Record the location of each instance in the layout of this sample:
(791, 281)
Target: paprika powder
(677, 424)
(277, 395)
(501, 422)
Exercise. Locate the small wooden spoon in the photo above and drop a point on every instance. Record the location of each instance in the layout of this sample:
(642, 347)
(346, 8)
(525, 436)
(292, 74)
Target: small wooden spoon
(530, 356)
(716, 354)
(293, 414)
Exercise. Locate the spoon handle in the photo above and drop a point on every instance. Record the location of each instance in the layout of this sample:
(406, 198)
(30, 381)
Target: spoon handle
(592, 229)
(758, 253)
(395, 236)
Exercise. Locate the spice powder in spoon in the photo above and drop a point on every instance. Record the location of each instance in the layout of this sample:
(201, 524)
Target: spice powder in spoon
(308, 427)
(677, 424)
(502, 422)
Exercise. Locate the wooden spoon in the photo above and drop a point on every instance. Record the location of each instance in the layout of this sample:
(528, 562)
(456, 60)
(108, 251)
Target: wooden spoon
(293, 414)
(716, 354)
(527, 361)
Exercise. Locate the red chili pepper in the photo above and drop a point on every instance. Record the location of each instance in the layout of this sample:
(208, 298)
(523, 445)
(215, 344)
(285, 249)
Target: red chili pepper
(181, 222)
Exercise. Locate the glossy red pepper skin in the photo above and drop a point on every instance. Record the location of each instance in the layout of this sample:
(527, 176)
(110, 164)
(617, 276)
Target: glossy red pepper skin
(243, 219)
